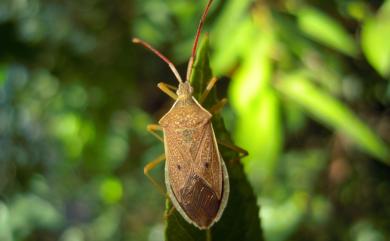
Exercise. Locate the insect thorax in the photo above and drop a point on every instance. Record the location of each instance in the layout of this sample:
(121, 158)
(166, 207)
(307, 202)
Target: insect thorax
(185, 113)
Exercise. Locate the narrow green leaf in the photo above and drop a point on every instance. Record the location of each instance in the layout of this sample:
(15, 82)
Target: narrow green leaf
(259, 130)
(240, 220)
(234, 13)
(325, 30)
(258, 125)
(375, 40)
(226, 53)
(333, 113)
(253, 76)
(234, 33)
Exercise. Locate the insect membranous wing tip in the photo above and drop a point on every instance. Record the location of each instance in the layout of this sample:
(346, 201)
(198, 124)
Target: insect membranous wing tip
(199, 201)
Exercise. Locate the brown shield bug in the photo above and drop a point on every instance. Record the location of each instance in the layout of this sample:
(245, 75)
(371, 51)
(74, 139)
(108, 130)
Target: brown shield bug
(196, 177)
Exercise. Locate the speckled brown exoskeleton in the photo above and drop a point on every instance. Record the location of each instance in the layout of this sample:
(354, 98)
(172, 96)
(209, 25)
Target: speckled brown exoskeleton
(196, 177)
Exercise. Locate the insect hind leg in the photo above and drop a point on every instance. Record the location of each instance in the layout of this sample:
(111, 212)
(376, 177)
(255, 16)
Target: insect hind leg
(152, 129)
(169, 212)
(150, 166)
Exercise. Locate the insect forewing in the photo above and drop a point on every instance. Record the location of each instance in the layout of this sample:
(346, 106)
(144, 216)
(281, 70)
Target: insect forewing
(194, 171)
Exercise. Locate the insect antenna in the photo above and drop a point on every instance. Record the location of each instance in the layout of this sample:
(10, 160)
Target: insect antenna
(160, 55)
(200, 26)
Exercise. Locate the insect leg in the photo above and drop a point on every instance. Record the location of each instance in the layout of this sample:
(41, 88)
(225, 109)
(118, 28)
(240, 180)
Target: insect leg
(167, 89)
(241, 152)
(169, 212)
(149, 167)
(209, 87)
(218, 106)
(152, 128)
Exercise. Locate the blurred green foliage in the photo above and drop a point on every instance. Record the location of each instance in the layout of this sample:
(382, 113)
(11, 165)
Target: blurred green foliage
(308, 83)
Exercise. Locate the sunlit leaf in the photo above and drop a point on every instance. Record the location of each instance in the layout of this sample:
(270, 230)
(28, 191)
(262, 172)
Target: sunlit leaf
(234, 12)
(252, 77)
(375, 36)
(5, 229)
(228, 52)
(259, 131)
(333, 113)
(232, 34)
(258, 126)
(240, 220)
(326, 30)
(357, 9)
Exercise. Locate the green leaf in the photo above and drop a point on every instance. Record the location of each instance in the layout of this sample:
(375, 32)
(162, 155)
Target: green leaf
(258, 125)
(325, 30)
(259, 130)
(3, 70)
(5, 227)
(234, 32)
(375, 40)
(332, 112)
(253, 76)
(240, 220)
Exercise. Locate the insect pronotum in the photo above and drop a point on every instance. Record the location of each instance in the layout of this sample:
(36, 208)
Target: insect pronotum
(196, 177)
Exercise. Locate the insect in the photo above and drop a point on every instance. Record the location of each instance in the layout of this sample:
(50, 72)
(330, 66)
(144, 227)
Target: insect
(196, 177)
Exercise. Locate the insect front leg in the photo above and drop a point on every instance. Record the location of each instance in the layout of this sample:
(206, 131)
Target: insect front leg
(168, 89)
(151, 165)
(169, 212)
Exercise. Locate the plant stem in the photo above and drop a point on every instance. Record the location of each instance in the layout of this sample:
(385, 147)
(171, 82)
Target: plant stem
(208, 235)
